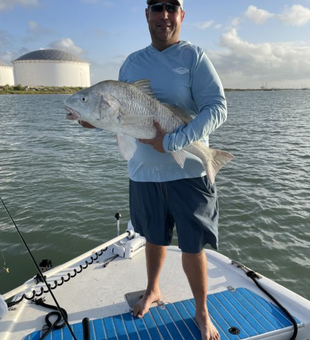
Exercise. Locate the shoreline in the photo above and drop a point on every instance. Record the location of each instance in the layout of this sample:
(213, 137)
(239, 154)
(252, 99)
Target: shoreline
(19, 89)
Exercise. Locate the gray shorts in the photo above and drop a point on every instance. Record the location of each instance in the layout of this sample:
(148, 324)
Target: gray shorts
(191, 205)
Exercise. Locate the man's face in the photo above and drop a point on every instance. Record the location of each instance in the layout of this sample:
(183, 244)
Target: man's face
(164, 26)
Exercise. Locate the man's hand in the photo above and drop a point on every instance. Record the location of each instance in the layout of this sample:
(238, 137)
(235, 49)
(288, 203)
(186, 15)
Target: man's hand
(157, 141)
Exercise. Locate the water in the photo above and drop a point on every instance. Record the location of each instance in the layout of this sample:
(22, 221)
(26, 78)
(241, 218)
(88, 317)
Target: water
(63, 185)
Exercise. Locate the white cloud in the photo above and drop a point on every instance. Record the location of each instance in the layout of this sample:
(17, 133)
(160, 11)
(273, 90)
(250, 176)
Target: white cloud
(296, 15)
(259, 16)
(204, 25)
(9, 4)
(6, 42)
(235, 22)
(244, 64)
(217, 26)
(6, 56)
(67, 45)
(34, 30)
(9, 54)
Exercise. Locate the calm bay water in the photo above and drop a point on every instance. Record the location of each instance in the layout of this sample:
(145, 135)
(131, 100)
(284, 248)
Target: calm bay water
(63, 185)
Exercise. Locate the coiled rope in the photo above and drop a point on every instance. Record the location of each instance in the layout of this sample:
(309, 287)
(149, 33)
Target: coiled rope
(63, 279)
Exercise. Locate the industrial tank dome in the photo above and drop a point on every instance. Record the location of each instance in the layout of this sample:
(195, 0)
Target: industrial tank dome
(51, 68)
(49, 55)
(6, 74)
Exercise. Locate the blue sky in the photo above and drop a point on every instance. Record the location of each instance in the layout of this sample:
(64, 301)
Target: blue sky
(252, 43)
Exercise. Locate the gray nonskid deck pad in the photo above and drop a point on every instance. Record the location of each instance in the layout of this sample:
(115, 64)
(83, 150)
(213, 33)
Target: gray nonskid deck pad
(237, 314)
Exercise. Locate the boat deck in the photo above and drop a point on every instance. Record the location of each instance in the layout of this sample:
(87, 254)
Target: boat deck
(107, 289)
(237, 313)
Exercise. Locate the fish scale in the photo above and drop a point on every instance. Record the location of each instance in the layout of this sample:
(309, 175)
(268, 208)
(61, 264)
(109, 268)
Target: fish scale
(146, 106)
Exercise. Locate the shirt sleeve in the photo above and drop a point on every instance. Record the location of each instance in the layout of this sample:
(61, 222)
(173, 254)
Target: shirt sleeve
(209, 97)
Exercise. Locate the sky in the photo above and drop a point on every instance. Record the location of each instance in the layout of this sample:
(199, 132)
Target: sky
(251, 43)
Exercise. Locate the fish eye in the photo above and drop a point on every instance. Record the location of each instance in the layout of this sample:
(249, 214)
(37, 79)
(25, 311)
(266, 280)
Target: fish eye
(84, 99)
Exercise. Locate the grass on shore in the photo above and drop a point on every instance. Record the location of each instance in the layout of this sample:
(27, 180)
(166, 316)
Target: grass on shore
(19, 89)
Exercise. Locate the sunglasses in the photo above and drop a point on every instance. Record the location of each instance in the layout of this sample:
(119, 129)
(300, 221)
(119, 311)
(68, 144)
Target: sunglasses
(159, 7)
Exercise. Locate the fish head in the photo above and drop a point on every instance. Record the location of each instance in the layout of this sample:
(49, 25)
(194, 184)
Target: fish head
(93, 105)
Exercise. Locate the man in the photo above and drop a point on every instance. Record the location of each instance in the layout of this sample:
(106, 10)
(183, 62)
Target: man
(161, 193)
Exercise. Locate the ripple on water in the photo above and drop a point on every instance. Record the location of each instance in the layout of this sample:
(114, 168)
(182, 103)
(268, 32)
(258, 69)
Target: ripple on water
(63, 184)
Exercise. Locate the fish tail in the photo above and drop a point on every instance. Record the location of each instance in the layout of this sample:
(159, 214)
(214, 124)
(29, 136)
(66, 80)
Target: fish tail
(216, 160)
(212, 159)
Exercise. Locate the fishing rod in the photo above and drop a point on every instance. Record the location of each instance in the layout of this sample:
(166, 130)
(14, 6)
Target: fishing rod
(40, 272)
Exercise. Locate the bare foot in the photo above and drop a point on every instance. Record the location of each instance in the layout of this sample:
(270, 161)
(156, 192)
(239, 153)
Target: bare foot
(207, 329)
(143, 305)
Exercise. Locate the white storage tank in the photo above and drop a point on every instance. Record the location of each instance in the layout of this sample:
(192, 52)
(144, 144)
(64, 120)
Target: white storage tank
(51, 67)
(6, 74)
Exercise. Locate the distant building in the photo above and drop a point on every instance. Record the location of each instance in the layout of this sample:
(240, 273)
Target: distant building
(6, 74)
(51, 67)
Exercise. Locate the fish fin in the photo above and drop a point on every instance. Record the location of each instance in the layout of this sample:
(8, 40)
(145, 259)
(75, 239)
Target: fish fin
(108, 102)
(179, 112)
(144, 86)
(212, 159)
(179, 156)
(127, 145)
(133, 119)
(218, 159)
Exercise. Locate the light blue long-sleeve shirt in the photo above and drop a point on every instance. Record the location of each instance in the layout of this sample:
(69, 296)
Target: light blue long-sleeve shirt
(180, 75)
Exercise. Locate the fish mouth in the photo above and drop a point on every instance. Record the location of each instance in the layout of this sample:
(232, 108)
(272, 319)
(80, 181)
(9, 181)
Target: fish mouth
(72, 115)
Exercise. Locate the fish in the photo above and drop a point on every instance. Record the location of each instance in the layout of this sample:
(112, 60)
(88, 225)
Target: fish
(129, 110)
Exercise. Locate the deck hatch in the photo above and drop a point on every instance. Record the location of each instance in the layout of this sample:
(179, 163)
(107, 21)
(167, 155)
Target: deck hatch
(241, 310)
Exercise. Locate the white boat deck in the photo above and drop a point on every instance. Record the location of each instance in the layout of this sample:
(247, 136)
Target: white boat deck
(99, 293)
